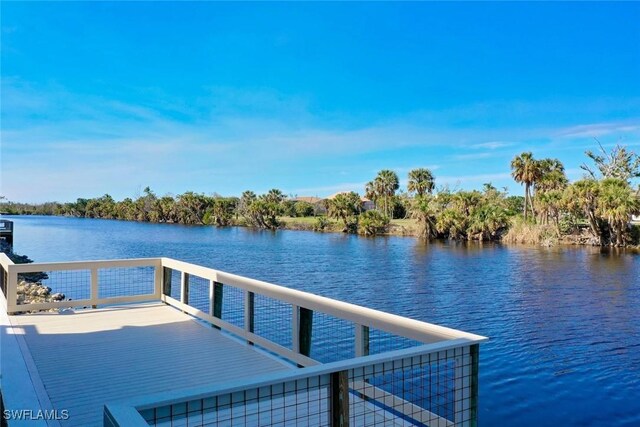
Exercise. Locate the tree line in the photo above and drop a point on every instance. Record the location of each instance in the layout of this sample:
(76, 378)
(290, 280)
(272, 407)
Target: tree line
(599, 205)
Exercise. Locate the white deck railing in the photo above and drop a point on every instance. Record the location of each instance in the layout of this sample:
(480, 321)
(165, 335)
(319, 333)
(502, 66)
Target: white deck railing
(288, 313)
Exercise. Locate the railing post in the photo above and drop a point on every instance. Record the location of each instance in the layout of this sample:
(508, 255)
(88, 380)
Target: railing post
(216, 304)
(339, 399)
(475, 369)
(249, 305)
(3, 282)
(94, 288)
(305, 331)
(12, 291)
(184, 288)
(295, 329)
(212, 297)
(362, 340)
(166, 281)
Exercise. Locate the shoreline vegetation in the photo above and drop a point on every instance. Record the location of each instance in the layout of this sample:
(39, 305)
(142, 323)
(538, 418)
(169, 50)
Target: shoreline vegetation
(595, 210)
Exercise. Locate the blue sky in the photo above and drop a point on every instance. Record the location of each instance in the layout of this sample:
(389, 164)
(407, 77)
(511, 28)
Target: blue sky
(311, 98)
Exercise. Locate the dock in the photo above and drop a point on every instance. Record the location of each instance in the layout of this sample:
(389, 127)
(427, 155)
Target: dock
(6, 231)
(162, 342)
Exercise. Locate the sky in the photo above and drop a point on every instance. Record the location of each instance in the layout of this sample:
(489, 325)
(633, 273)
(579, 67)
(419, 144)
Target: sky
(310, 98)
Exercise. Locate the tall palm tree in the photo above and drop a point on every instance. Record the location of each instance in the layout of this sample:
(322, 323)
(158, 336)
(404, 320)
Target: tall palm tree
(526, 170)
(387, 183)
(421, 181)
(548, 188)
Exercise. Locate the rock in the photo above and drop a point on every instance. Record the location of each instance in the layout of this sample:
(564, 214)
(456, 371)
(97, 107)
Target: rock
(58, 296)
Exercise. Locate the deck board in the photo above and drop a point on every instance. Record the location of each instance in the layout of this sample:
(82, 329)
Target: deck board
(91, 357)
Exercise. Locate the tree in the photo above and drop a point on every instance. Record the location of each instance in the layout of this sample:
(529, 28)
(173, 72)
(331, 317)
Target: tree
(548, 190)
(373, 191)
(221, 211)
(424, 210)
(373, 222)
(303, 209)
(525, 170)
(581, 198)
(619, 163)
(616, 204)
(346, 207)
(486, 222)
(191, 208)
(451, 223)
(421, 181)
(551, 175)
(384, 186)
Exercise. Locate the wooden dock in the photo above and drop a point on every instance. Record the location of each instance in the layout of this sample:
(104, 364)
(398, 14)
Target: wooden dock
(6, 231)
(131, 350)
(88, 357)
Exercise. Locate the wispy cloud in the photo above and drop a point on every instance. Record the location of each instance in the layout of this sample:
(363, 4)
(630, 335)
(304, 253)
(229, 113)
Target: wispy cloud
(598, 129)
(491, 145)
(229, 140)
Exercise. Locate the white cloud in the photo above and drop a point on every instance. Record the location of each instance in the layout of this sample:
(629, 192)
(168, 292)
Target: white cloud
(491, 145)
(597, 129)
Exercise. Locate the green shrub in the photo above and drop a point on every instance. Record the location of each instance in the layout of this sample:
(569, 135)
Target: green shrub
(302, 209)
(373, 222)
(321, 223)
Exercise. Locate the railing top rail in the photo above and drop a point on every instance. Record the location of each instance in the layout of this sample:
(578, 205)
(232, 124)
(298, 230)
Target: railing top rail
(85, 265)
(410, 328)
(391, 323)
(188, 394)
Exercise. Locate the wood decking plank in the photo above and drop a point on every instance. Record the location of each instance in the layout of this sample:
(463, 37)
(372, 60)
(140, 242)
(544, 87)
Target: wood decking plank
(93, 357)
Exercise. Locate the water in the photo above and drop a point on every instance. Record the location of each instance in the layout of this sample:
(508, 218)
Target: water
(564, 322)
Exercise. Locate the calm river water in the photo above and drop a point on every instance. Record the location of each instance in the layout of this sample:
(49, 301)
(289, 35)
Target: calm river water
(564, 322)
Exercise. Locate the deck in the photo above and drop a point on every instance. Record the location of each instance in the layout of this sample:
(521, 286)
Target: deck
(161, 342)
(85, 358)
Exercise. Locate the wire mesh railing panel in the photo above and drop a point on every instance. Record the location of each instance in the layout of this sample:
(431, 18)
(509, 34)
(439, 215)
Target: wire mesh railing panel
(332, 338)
(381, 341)
(233, 305)
(430, 390)
(272, 320)
(294, 403)
(125, 281)
(176, 284)
(47, 286)
(199, 293)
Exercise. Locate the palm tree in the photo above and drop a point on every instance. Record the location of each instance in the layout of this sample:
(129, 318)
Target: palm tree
(526, 170)
(548, 189)
(581, 198)
(346, 206)
(616, 204)
(551, 175)
(421, 181)
(372, 191)
(424, 210)
(386, 184)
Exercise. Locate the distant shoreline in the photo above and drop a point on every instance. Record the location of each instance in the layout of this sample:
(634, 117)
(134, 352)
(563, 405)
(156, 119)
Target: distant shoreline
(397, 228)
